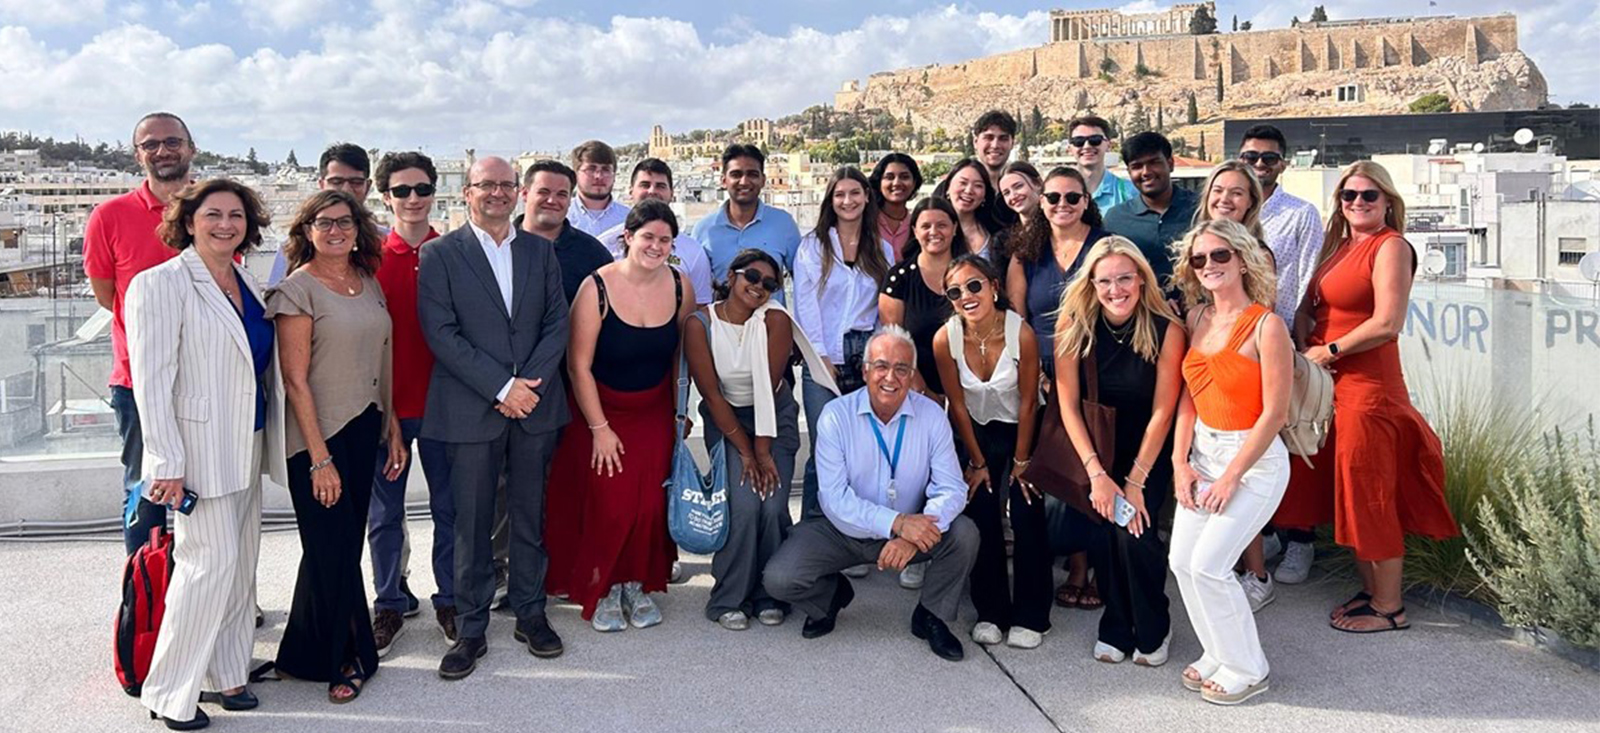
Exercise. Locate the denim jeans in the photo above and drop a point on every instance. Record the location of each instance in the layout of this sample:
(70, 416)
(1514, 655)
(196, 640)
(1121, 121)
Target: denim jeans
(816, 398)
(386, 522)
(138, 515)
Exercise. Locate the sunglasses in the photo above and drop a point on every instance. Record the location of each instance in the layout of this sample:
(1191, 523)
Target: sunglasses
(974, 286)
(1370, 195)
(754, 277)
(1054, 197)
(1219, 256)
(422, 190)
(1079, 141)
(1267, 159)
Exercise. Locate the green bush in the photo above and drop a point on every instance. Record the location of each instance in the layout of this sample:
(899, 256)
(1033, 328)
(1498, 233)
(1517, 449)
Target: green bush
(1430, 103)
(1538, 546)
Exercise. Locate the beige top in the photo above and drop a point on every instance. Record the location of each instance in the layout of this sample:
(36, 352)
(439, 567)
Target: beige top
(351, 357)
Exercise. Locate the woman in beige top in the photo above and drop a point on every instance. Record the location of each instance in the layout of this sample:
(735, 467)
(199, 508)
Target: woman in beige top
(333, 335)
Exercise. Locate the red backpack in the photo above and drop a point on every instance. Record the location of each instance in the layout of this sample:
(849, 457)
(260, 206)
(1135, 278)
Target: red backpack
(144, 600)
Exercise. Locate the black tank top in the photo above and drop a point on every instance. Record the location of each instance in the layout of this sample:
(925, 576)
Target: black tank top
(630, 358)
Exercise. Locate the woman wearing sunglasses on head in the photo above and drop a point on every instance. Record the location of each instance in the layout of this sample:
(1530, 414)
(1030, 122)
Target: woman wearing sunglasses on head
(1048, 253)
(1230, 467)
(1116, 322)
(989, 363)
(739, 357)
(1380, 474)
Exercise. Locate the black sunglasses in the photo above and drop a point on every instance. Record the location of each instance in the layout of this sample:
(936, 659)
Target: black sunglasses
(1078, 141)
(974, 286)
(1219, 256)
(1054, 197)
(754, 277)
(421, 189)
(1350, 195)
(1252, 157)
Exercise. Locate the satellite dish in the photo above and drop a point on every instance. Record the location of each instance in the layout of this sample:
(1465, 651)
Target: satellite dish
(1522, 136)
(1477, 147)
(1434, 263)
(1589, 267)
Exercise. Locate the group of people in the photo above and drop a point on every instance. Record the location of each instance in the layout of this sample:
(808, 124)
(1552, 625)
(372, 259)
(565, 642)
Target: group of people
(532, 364)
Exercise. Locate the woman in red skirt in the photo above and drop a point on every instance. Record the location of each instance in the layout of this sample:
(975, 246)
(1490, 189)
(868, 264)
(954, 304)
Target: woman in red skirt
(611, 547)
(1380, 476)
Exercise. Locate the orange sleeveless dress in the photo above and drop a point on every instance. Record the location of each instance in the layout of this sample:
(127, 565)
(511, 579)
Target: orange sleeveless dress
(1380, 476)
(1226, 385)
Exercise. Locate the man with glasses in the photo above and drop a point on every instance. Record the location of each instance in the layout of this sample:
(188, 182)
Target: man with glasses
(547, 188)
(595, 209)
(121, 242)
(652, 179)
(344, 167)
(891, 492)
(744, 221)
(1090, 140)
(1162, 212)
(492, 309)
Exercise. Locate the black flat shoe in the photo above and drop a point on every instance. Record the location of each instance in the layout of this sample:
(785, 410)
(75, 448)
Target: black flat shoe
(244, 700)
(925, 625)
(200, 720)
(462, 658)
(542, 641)
(843, 594)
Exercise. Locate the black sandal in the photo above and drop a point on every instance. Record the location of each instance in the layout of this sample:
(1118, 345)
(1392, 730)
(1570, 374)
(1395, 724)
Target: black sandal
(1356, 601)
(355, 680)
(1368, 610)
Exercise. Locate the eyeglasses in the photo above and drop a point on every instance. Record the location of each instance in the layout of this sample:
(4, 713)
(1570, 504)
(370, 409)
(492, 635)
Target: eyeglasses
(171, 143)
(899, 368)
(1121, 281)
(325, 225)
(974, 286)
(754, 277)
(342, 182)
(593, 169)
(1369, 195)
(492, 186)
(1219, 256)
(1079, 141)
(422, 190)
(1251, 157)
(1054, 197)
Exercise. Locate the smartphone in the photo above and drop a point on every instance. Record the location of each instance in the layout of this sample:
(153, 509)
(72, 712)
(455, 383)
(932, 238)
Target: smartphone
(1122, 511)
(184, 507)
(187, 505)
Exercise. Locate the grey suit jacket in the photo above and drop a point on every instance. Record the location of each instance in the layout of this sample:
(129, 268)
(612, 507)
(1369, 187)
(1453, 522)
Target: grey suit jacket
(478, 346)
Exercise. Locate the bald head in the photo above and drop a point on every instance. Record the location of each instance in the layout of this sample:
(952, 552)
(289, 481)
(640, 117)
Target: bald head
(491, 192)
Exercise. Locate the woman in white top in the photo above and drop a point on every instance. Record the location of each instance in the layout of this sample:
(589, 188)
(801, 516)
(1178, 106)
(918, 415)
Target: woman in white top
(837, 272)
(989, 363)
(739, 357)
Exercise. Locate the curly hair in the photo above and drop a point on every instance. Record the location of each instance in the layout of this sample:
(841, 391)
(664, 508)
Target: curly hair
(178, 217)
(1033, 242)
(1260, 279)
(365, 256)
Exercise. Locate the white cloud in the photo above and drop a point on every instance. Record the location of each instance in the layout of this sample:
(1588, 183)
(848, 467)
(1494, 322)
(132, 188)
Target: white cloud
(286, 15)
(49, 12)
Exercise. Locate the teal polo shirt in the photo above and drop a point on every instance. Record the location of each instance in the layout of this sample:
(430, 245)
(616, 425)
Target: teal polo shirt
(1154, 232)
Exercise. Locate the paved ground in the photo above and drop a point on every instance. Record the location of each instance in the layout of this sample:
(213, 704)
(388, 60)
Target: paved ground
(870, 675)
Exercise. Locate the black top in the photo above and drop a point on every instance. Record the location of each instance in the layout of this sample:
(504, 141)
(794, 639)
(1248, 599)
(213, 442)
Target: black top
(579, 253)
(1046, 281)
(926, 312)
(1128, 383)
(629, 358)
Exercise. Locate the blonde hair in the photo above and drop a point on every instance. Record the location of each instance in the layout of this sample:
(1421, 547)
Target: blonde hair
(1080, 304)
(1338, 231)
(1252, 215)
(1260, 278)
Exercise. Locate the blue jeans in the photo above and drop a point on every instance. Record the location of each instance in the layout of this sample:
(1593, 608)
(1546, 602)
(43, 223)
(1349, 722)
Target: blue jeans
(138, 515)
(816, 398)
(386, 522)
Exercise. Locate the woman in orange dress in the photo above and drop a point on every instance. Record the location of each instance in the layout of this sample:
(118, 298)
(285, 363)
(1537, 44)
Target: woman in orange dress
(1380, 476)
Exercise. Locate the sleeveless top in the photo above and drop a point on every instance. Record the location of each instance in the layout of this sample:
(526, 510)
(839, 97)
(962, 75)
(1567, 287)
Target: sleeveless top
(739, 353)
(629, 358)
(1046, 281)
(998, 398)
(1128, 383)
(1226, 385)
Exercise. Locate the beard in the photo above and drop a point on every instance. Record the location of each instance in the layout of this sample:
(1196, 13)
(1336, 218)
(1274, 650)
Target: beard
(169, 172)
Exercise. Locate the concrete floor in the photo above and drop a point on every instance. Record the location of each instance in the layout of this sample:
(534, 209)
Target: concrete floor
(869, 675)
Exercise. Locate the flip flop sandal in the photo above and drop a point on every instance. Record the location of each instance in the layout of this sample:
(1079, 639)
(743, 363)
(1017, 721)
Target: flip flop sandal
(1089, 599)
(1356, 601)
(1068, 594)
(1365, 611)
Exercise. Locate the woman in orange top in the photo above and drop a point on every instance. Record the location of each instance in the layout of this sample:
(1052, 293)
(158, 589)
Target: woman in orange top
(1230, 468)
(1381, 471)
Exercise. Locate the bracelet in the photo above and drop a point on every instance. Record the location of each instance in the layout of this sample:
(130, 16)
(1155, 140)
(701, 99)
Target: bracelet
(1091, 457)
(1097, 474)
(324, 463)
(1131, 482)
(1141, 466)
(603, 423)
(974, 466)
(1024, 463)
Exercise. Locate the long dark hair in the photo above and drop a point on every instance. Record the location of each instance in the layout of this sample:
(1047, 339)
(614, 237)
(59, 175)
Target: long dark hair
(1034, 243)
(875, 181)
(366, 256)
(988, 217)
(958, 241)
(745, 258)
(984, 267)
(869, 248)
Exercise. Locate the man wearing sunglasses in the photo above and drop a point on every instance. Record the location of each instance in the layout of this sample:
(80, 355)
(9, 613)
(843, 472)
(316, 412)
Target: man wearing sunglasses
(121, 242)
(744, 221)
(1292, 225)
(1162, 212)
(345, 167)
(1090, 140)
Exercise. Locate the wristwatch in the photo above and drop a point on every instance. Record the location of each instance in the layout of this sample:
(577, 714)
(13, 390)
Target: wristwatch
(1333, 348)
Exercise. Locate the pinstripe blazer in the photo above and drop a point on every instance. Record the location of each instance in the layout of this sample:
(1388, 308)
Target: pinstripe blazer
(194, 380)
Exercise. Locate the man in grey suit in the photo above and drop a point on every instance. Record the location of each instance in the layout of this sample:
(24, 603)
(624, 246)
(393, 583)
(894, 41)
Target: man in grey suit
(494, 314)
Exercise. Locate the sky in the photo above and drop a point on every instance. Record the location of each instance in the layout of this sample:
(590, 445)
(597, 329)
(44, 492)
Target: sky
(516, 75)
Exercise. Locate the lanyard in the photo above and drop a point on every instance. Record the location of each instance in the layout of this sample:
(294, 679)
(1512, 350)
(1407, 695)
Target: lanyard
(883, 447)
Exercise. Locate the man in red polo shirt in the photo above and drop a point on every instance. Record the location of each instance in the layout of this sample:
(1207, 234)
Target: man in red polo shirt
(121, 242)
(408, 182)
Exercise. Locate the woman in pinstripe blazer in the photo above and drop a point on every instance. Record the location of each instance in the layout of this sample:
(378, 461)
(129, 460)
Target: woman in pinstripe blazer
(206, 376)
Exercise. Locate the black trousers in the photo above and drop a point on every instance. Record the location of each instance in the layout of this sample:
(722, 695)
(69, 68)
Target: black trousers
(1023, 597)
(474, 476)
(329, 625)
(1131, 575)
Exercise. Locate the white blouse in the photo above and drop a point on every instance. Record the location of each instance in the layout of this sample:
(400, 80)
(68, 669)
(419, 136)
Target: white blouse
(849, 301)
(998, 398)
(739, 353)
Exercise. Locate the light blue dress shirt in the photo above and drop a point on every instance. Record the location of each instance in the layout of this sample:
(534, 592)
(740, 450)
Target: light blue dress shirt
(593, 223)
(1113, 190)
(772, 230)
(853, 475)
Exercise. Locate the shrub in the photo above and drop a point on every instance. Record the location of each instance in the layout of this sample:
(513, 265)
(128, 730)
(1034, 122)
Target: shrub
(1142, 71)
(1430, 103)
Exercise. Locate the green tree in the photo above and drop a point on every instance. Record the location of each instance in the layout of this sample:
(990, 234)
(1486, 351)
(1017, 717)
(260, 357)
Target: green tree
(1219, 85)
(1202, 22)
(1245, 26)
(1431, 103)
(936, 170)
(1036, 119)
(256, 166)
(1107, 65)
(1194, 110)
(1161, 117)
(292, 161)
(1202, 152)
(1294, 22)
(1319, 14)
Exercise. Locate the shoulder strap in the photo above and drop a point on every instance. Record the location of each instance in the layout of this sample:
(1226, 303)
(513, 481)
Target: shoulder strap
(1013, 347)
(600, 290)
(677, 290)
(1242, 329)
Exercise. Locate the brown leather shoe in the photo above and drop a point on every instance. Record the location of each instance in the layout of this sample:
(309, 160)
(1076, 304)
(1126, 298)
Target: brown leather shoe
(447, 621)
(387, 627)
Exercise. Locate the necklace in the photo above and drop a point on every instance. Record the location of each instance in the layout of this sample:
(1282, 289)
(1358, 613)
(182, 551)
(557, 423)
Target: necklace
(983, 341)
(1121, 334)
(339, 281)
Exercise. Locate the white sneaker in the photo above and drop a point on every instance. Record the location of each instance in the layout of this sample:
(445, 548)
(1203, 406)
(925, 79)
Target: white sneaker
(608, 613)
(911, 578)
(677, 573)
(1259, 592)
(1024, 638)
(987, 633)
(858, 571)
(1106, 653)
(641, 611)
(1271, 546)
(1155, 658)
(1296, 563)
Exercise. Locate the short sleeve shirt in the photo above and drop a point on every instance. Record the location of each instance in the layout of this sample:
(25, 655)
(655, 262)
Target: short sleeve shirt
(413, 360)
(121, 242)
(926, 312)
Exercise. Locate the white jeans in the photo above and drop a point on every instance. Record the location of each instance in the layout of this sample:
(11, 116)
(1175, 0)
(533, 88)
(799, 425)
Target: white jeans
(1205, 547)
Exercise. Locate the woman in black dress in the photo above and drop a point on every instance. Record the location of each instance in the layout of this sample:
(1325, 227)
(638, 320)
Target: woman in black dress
(913, 293)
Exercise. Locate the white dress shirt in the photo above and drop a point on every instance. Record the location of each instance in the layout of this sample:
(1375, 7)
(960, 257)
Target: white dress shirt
(499, 254)
(854, 486)
(1294, 234)
(848, 302)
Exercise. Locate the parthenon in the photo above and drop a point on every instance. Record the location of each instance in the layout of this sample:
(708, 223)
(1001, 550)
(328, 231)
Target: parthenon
(1084, 25)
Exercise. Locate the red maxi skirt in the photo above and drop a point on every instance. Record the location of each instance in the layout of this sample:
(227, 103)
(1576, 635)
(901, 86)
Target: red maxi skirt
(603, 530)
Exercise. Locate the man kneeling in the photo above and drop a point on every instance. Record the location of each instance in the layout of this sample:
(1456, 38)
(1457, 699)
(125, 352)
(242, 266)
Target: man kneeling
(891, 492)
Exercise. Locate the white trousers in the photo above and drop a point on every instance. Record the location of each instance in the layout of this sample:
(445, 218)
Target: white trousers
(1205, 547)
(208, 629)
